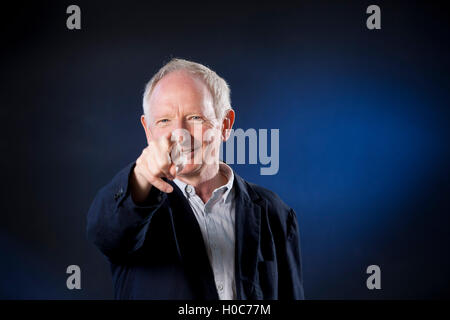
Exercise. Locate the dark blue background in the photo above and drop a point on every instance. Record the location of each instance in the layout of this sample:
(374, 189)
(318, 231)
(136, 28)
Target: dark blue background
(363, 118)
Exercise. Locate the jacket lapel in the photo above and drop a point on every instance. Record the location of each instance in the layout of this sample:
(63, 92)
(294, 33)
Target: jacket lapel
(192, 250)
(247, 230)
(191, 246)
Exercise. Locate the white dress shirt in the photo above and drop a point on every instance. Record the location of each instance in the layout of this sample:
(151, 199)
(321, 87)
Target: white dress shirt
(216, 221)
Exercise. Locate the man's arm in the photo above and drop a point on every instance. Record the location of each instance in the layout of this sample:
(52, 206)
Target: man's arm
(290, 268)
(115, 223)
(120, 215)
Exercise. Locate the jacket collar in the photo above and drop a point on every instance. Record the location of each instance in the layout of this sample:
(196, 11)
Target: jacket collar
(192, 250)
(249, 206)
(190, 245)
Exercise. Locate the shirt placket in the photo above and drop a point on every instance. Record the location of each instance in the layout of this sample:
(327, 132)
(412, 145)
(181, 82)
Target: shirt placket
(210, 231)
(213, 241)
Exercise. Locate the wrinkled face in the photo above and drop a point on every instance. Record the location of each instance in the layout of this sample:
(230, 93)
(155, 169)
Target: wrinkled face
(182, 105)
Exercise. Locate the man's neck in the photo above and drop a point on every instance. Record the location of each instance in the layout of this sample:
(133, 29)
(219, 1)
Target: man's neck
(206, 181)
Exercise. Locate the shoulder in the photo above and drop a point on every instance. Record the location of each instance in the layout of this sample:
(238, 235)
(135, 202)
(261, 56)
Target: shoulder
(278, 212)
(276, 207)
(118, 187)
(272, 198)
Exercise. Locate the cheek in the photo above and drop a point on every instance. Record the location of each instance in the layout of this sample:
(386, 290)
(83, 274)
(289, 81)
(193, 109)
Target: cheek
(156, 133)
(153, 135)
(211, 136)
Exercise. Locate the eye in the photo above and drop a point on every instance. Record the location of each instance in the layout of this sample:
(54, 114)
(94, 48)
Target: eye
(196, 118)
(162, 121)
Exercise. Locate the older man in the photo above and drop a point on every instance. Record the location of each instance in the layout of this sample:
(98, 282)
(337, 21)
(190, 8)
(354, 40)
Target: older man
(178, 223)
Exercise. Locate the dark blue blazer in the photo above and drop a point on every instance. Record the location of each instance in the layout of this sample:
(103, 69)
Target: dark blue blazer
(156, 249)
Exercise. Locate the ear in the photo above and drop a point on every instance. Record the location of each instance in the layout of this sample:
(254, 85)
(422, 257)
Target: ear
(227, 124)
(148, 133)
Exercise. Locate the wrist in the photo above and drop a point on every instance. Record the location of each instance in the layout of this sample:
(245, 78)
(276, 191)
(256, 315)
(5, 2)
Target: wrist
(139, 187)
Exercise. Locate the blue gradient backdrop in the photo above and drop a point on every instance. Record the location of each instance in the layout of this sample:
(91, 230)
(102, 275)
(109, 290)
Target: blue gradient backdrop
(363, 117)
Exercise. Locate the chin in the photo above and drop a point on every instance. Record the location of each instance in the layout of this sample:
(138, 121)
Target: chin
(190, 169)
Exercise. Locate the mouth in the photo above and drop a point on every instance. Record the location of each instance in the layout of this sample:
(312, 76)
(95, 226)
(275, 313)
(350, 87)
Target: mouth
(189, 151)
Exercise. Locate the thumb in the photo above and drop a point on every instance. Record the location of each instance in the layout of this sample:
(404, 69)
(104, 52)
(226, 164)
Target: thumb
(173, 170)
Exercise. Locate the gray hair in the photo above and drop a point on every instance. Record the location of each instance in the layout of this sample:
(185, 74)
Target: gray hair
(218, 86)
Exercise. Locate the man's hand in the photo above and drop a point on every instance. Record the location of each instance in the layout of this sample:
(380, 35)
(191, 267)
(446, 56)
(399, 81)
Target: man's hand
(153, 164)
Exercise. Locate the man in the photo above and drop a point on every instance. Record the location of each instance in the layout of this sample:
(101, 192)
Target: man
(178, 223)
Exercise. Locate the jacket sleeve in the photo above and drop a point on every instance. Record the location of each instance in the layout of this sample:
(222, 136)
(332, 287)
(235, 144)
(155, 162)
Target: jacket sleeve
(291, 274)
(117, 225)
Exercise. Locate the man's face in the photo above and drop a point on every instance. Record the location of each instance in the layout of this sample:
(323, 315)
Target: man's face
(181, 103)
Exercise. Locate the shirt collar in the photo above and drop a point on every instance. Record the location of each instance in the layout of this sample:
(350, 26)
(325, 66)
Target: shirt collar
(189, 190)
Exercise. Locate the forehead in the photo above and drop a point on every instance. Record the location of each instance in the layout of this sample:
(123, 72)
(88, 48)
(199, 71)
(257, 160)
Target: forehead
(179, 89)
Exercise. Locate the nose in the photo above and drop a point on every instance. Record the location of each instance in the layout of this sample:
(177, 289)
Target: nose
(178, 123)
(180, 133)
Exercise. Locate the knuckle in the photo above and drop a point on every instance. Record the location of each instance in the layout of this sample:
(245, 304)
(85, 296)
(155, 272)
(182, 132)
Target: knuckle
(152, 173)
(152, 180)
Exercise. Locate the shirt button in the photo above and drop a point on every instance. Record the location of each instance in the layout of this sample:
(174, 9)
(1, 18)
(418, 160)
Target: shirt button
(189, 189)
(220, 287)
